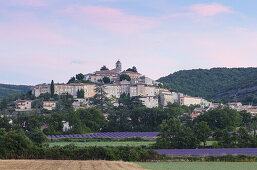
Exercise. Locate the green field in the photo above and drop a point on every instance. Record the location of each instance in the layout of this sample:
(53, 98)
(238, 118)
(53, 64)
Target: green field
(209, 143)
(198, 165)
(83, 144)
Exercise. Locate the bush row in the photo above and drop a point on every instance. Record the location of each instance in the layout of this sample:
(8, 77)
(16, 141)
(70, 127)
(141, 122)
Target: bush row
(223, 158)
(72, 152)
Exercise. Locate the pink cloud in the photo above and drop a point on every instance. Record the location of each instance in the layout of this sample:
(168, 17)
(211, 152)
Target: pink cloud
(30, 32)
(236, 49)
(32, 3)
(209, 9)
(110, 19)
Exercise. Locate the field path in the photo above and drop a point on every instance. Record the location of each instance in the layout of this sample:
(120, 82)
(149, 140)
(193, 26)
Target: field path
(67, 164)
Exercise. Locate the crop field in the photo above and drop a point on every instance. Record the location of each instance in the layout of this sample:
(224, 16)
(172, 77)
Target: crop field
(202, 152)
(83, 144)
(198, 165)
(67, 164)
(108, 135)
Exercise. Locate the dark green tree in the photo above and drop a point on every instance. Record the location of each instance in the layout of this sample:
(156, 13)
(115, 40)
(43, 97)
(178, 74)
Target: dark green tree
(72, 80)
(202, 132)
(80, 94)
(45, 96)
(64, 103)
(52, 89)
(4, 123)
(3, 104)
(80, 76)
(37, 136)
(133, 69)
(37, 103)
(100, 100)
(220, 118)
(106, 80)
(125, 77)
(16, 144)
(246, 118)
(54, 123)
(103, 68)
(27, 123)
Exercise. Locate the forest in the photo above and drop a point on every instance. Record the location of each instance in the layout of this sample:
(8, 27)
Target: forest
(209, 83)
(6, 89)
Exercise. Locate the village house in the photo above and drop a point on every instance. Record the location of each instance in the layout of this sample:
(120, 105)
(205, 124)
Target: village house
(41, 89)
(49, 105)
(23, 105)
(188, 100)
(72, 89)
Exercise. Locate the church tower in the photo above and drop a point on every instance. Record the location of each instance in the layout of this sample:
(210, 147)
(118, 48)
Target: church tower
(118, 66)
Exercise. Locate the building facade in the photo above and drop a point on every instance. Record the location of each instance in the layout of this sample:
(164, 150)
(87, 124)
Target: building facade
(49, 105)
(23, 105)
(72, 89)
(41, 89)
(188, 100)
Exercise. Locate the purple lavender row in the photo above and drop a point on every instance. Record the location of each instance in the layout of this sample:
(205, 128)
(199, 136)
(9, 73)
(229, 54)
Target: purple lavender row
(109, 135)
(206, 152)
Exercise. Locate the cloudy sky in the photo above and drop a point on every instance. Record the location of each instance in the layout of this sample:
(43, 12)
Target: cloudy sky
(41, 40)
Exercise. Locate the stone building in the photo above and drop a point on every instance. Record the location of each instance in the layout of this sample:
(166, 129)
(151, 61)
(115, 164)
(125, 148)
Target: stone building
(188, 100)
(72, 89)
(49, 105)
(98, 76)
(150, 101)
(165, 97)
(112, 90)
(41, 89)
(23, 105)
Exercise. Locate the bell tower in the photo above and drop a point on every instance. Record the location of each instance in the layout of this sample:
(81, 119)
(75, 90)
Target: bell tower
(118, 66)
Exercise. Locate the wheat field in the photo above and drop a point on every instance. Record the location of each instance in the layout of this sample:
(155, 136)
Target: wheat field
(66, 164)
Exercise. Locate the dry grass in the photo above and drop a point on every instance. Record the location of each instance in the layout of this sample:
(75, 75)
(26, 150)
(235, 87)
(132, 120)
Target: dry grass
(67, 164)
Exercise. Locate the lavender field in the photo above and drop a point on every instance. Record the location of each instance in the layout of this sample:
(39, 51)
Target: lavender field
(109, 135)
(206, 152)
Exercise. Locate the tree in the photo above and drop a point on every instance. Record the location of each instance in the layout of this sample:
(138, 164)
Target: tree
(80, 94)
(80, 76)
(37, 136)
(45, 96)
(28, 123)
(125, 77)
(133, 69)
(216, 83)
(52, 89)
(221, 118)
(4, 123)
(3, 104)
(103, 68)
(168, 129)
(37, 103)
(54, 123)
(64, 103)
(100, 100)
(106, 80)
(92, 118)
(202, 131)
(16, 144)
(244, 140)
(246, 118)
(72, 80)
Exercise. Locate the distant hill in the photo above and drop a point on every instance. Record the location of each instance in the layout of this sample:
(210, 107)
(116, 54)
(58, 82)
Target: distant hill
(6, 89)
(227, 84)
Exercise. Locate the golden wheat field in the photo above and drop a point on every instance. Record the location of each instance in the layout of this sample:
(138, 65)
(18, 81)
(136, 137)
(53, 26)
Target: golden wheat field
(67, 164)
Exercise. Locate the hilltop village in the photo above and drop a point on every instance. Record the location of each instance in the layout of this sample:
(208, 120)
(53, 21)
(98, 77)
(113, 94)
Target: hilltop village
(116, 82)
(113, 83)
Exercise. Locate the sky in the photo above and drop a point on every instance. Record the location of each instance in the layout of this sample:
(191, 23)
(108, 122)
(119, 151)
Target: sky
(44, 40)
